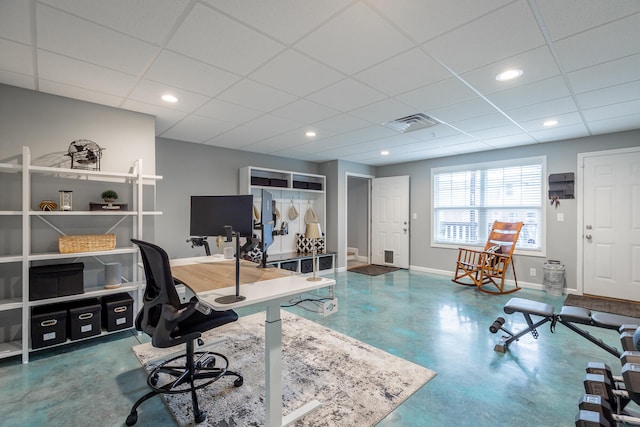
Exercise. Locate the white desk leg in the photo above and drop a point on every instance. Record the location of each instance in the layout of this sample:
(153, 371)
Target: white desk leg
(273, 366)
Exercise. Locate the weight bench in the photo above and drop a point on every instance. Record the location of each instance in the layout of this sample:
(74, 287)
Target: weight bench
(569, 316)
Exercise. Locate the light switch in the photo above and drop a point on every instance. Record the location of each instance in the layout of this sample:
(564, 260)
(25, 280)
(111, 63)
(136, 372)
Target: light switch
(560, 217)
(415, 215)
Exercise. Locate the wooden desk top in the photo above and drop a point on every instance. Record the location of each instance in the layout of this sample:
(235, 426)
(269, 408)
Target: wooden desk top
(202, 277)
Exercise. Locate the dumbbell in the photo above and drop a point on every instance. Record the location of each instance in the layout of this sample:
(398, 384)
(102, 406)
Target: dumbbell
(599, 385)
(631, 377)
(496, 325)
(591, 419)
(594, 403)
(628, 337)
(602, 369)
(630, 357)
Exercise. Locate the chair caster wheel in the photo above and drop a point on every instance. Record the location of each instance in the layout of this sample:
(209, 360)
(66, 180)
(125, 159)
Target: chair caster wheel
(154, 380)
(238, 382)
(132, 418)
(200, 417)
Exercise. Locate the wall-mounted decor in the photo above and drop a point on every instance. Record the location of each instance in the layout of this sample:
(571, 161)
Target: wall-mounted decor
(561, 185)
(85, 154)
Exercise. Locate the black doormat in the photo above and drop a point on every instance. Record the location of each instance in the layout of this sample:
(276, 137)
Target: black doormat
(621, 307)
(373, 269)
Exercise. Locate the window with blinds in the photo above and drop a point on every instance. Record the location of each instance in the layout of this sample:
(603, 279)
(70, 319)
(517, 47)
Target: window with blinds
(468, 199)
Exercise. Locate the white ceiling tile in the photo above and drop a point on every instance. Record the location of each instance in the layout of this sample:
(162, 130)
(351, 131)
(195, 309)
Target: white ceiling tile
(346, 95)
(537, 64)
(469, 147)
(187, 73)
(296, 73)
(510, 141)
(304, 111)
(407, 71)
(464, 110)
(256, 96)
(151, 93)
(423, 20)
(444, 92)
(564, 18)
(300, 16)
(294, 139)
(228, 112)
(562, 132)
(384, 111)
(351, 48)
(57, 88)
(214, 38)
(606, 43)
(15, 21)
(482, 122)
(342, 123)
(610, 95)
(197, 129)
(611, 73)
(615, 124)
(165, 117)
(543, 109)
(15, 79)
(614, 110)
(564, 120)
(21, 59)
(80, 74)
(505, 32)
(533, 93)
(91, 43)
(497, 131)
(148, 20)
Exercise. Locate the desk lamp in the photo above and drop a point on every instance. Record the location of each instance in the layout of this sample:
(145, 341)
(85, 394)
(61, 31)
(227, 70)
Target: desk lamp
(313, 232)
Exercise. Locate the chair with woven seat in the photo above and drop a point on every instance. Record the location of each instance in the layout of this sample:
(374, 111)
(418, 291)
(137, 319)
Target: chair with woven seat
(487, 268)
(169, 323)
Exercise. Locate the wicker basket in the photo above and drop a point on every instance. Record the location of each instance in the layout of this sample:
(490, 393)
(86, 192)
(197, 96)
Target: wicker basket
(86, 243)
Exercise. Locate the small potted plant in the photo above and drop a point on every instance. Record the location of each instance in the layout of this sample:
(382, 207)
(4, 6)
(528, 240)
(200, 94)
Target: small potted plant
(109, 196)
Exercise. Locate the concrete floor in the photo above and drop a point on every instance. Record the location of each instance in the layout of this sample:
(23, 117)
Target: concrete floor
(421, 317)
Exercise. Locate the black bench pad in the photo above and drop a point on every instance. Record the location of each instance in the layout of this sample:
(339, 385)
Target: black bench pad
(599, 319)
(528, 306)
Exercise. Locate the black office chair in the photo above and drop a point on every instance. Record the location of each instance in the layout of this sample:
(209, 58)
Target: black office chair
(170, 323)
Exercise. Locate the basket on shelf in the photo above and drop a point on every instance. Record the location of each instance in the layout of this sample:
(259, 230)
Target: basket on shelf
(86, 243)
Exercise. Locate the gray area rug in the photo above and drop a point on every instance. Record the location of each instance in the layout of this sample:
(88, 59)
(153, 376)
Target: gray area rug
(373, 269)
(623, 308)
(356, 383)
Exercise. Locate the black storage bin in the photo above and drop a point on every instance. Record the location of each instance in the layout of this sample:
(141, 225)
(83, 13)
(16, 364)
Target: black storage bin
(325, 263)
(48, 325)
(300, 184)
(58, 280)
(314, 186)
(273, 182)
(117, 312)
(256, 180)
(84, 319)
(289, 265)
(306, 265)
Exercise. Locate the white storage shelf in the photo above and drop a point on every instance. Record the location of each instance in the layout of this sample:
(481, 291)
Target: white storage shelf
(76, 178)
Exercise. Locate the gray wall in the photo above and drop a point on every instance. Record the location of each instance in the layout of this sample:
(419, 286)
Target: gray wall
(196, 169)
(358, 214)
(561, 237)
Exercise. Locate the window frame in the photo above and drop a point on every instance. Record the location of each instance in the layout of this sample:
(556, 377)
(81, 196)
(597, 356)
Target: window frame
(542, 160)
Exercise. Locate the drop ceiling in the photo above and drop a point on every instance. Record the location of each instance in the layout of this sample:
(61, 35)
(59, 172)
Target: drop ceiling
(257, 75)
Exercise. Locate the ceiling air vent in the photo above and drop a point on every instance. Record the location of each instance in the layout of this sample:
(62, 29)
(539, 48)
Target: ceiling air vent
(411, 123)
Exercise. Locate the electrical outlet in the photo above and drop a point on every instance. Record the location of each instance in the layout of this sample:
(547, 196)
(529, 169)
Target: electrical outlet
(532, 272)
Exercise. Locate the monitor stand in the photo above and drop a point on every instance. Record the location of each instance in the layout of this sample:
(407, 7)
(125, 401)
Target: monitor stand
(230, 299)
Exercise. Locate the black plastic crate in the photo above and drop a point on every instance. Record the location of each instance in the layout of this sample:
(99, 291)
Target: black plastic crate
(257, 180)
(84, 319)
(289, 265)
(57, 280)
(325, 263)
(314, 186)
(48, 325)
(306, 265)
(273, 182)
(117, 312)
(300, 184)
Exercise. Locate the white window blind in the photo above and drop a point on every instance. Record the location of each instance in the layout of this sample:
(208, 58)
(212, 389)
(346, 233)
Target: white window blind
(468, 199)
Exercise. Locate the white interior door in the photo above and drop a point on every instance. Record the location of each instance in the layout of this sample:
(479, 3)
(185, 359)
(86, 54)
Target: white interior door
(611, 225)
(390, 221)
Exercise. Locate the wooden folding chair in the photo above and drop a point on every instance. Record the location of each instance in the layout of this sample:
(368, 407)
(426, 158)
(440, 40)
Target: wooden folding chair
(489, 266)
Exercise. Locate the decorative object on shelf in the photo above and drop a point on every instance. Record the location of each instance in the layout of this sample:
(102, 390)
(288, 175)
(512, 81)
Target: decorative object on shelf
(86, 243)
(109, 196)
(310, 216)
(66, 200)
(112, 275)
(85, 154)
(48, 205)
(312, 232)
(304, 245)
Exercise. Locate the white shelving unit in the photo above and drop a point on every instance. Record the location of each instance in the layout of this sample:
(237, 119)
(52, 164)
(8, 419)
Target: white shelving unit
(15, 304)
(303, 191)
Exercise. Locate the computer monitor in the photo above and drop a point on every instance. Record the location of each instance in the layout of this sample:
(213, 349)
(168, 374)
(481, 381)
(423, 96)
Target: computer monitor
(210, 215)
(267, 224)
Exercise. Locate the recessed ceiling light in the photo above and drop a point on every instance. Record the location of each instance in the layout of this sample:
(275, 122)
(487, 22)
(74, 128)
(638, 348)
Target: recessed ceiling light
(508, 75)
(384, 153)
(550, 123)
(310, 134)
(169, 98)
